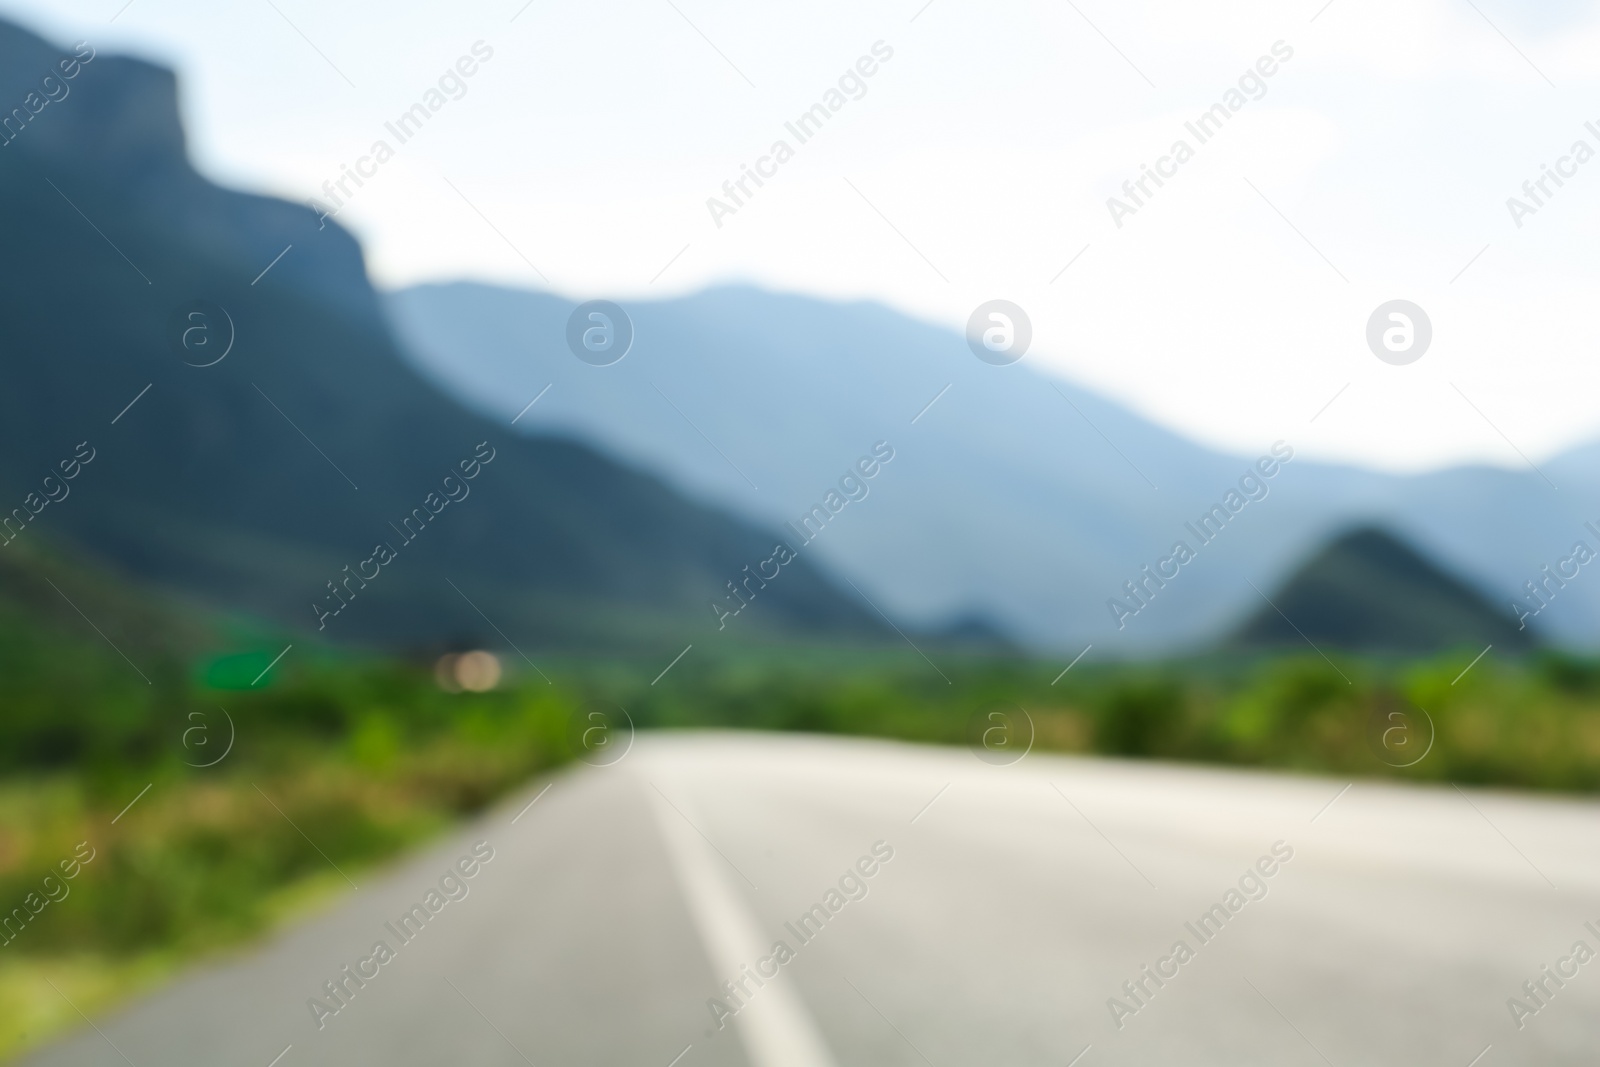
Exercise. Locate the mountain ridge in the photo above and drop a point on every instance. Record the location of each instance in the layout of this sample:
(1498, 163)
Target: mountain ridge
(1021, 495)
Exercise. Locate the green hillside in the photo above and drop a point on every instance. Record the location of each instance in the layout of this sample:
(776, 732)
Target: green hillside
(1369, 591)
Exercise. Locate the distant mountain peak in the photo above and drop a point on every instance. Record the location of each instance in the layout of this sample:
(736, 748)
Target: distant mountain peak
(1369, 590)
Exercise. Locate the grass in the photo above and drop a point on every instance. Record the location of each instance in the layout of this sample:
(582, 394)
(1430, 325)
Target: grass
(366, 759)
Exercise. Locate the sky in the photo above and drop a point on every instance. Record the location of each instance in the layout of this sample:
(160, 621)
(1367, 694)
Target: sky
(977, 163)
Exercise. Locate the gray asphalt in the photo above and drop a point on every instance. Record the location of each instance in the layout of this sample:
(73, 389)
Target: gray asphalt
(1017, 902)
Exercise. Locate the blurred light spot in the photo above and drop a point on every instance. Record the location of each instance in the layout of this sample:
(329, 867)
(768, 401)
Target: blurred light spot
(476, 672)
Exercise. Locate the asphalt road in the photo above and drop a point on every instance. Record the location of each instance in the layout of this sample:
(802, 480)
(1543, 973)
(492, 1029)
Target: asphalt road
(1016, 902)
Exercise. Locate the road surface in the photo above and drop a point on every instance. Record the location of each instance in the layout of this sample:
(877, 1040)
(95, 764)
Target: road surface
(979, 915)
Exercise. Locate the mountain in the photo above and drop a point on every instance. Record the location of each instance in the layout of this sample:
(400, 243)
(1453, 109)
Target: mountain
(268, 448)
(1016, 497)
(1370, 591)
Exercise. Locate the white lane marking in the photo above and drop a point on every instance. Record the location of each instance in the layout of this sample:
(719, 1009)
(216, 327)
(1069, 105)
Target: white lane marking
(775, 1026)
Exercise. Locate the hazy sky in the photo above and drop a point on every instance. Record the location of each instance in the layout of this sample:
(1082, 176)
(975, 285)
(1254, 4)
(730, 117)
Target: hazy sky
(1233, 305)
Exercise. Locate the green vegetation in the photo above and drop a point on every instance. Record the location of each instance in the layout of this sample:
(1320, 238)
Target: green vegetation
(368, 756)
(366, 759)
(1532, 723)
